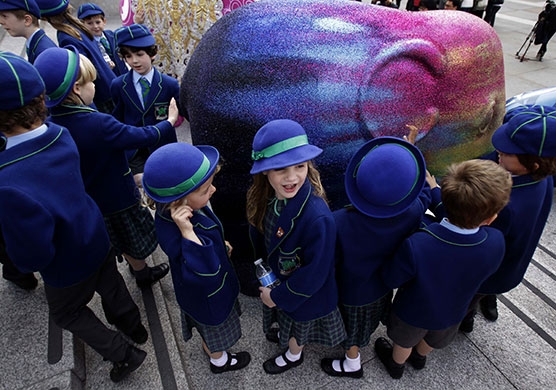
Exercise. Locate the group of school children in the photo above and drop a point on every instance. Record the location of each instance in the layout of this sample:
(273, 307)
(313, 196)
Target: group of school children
(69, 204)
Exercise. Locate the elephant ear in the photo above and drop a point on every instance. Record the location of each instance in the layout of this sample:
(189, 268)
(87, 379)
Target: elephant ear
(402, 88)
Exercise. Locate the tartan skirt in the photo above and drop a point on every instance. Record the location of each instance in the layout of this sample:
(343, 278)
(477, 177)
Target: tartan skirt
(362, 321)
(218, 337)
(328, 330)
(132, 231)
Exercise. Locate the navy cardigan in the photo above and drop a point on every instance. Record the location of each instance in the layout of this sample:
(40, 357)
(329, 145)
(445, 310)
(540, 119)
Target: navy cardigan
(205, 283)
(39, 43)
(305, 236)
(364, 244)
(439, 271)
(48, 221)
(102, 142)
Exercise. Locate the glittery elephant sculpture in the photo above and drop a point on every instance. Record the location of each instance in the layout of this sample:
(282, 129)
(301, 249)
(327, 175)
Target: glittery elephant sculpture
(348, 72)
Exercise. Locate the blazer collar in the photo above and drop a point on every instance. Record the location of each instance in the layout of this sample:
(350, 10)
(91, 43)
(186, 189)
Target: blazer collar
(449, 237)
(69, 109)
(523, 181)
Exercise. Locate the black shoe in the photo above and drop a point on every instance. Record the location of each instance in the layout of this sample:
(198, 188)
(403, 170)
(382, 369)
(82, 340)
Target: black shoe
(383, 350)
(326, 365)
(466, 326)
(489, 307)
(133, 359)
(272, 335)
(139, 334)
(242, 360)
(416, 360)
(270, 366)
(27, 282)
(155, 273)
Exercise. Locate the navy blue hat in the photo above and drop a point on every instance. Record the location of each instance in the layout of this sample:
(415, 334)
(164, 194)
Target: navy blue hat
(59, 68)
(52, 7)
(89, 9)
(281, 143)
(21, 82)
(135, 35)
(26, 5)
(531, 130)
(385, 176)
(177, 169)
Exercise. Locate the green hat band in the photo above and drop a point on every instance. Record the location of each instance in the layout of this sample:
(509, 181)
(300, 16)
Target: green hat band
(62, 3)
(70, 71)
(280, 147)
(186, 185)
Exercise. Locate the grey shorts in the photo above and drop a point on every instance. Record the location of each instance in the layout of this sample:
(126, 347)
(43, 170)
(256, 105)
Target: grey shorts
(408, 336)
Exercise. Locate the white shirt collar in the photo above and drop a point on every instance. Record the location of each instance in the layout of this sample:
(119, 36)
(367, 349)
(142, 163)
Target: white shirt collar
(28, 42)
(17, 139)
(457, 229)
(148, 76)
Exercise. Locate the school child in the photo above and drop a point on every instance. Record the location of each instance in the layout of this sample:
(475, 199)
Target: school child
(178, 177)
(526, 145)
(385, 181)
(293, 229)
(93, 18)
(141, 95)
(20, 18)
(438, 269)
(71, 31)
(102, 141)
(51, 225)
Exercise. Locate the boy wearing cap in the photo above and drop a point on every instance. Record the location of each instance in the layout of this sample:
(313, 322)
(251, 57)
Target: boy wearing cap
(20, 18)
(93, 17)
(439, 269)
(385, 181)
(141, 95)
(52, 226)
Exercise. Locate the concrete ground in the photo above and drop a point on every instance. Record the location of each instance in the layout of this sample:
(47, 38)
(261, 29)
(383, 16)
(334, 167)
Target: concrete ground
(516, 352)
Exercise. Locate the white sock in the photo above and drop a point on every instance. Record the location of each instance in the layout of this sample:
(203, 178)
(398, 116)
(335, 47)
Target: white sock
(222, 360)
(350, 365)
(280, 362)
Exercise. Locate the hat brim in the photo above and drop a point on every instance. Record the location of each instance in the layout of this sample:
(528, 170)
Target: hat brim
(90, 12)
(381, 211)
(9, 7)
(503, 143)
(286, 159)
(212, 155)
(139, 42)
(53, 103)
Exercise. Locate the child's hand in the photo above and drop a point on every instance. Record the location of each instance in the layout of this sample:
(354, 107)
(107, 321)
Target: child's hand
(173, 112)
(180, 214)
(229, 248)
(431, 180)
(111, 64)
(265, 296)
(412, 136)
(138, 179)
(139, 16)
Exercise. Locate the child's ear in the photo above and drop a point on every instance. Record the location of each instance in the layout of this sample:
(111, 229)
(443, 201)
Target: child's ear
(490, 220)
(76, 88)
(28, 20)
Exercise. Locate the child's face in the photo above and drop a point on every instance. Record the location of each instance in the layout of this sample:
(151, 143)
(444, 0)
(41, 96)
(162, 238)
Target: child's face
(200, 197)
(139, 61)
(511, 163)
(95, 24)
(87, 92)
(12, 24)
(287, 181)
(449, 5)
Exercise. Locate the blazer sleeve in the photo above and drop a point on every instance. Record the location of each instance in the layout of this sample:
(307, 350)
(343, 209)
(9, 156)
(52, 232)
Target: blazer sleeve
(402, 267)
(115, 92)
(122, 136)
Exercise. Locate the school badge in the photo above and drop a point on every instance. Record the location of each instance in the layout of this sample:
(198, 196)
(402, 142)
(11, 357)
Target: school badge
(161, 111)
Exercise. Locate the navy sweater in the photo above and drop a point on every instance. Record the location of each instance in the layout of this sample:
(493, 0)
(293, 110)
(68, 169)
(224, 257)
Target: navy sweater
(48, 222)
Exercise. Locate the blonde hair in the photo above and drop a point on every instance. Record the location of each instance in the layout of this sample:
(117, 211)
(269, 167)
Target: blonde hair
(69, 24)
(261, 192)
(87, 73)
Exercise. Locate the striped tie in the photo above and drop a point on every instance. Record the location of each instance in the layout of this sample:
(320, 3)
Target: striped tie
(105, 43)
(145, 88)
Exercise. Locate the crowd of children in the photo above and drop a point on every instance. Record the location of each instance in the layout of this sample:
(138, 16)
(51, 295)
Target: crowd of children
(337, 271)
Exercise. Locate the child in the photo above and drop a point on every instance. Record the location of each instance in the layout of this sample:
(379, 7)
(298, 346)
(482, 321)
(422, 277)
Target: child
(385, 182)
(52, 226)
(92, 16)
(71, 31)
(102, 141)
(141, 95)
(526, 146)
(179, 178)
(439, 269)
(20, 18)
(292, 227)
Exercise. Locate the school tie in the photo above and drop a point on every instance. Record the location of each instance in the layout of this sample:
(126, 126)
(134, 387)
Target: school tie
(105, 43)
(145, 88)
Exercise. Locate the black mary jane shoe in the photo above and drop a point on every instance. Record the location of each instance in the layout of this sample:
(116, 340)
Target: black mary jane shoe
(242, 360)
(272, 335)
(270, 366)
(326, 365)
(155, 274)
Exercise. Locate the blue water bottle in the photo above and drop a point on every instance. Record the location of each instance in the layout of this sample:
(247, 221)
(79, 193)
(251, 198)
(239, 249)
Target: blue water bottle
(265, 275)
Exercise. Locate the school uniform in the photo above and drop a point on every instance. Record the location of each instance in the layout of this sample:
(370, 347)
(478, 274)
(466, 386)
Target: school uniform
(37, 43)
(112, 51)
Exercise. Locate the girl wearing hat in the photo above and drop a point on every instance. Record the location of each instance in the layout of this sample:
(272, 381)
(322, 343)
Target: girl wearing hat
(178, 177)
(72, 31)
(293, 229)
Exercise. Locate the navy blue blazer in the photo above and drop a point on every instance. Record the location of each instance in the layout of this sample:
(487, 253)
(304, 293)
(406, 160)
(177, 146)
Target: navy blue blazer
(89, 48)
(439, 271)
(522, 222)
(120, 67)
(102, 142)
(364, 244)
(48, 221)
(301, 255)
(205, 282)
(39, 43)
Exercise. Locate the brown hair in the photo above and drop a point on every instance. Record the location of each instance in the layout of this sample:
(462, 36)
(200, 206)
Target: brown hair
(24, 116)
(261, 192)
(124, 50)
(69, 24)
(546, 165)
(20, 14)
(87, 73)
(474, 191)
(87, 18)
